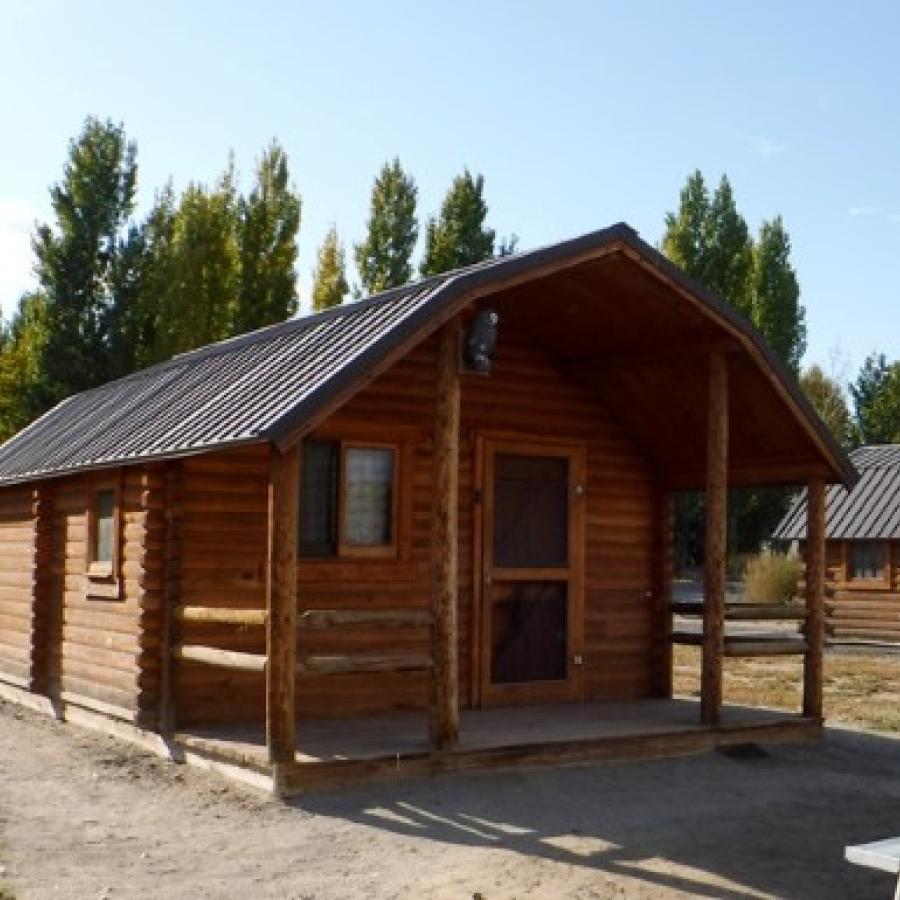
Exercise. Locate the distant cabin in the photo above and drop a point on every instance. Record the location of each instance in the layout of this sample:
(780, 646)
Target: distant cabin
(428, 530)
(862, 530)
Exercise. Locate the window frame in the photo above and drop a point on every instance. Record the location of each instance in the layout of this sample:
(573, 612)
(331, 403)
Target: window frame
(879, 582)
(103, 577)
(344, 550)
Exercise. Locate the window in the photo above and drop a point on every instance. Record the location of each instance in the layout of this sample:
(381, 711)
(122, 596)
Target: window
(102, 552)
(868, 561)
(348, 499)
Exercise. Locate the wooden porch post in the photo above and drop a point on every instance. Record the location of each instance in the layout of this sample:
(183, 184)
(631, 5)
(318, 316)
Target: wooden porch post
(815, 599)
(663, 522)
(281, 607)
(716, 539)
(444, 701)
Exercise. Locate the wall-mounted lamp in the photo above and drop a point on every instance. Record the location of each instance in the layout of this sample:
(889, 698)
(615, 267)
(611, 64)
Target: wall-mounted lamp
(479, 342)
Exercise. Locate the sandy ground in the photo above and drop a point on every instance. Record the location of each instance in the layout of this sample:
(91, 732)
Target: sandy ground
(82, 815)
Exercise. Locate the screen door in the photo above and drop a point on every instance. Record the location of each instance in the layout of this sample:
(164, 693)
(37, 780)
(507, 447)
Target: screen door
(531, 572)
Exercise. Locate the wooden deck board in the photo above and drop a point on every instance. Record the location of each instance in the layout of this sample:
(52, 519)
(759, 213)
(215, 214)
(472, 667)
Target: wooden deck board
(339, 749)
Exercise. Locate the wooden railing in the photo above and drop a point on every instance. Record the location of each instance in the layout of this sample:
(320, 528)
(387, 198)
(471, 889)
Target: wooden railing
(319, 619)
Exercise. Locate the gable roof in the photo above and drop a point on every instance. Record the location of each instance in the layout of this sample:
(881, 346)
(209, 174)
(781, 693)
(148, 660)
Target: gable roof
(870, 510)
(264, 385)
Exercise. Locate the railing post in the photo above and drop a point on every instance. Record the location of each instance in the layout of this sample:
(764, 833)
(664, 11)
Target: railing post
(716, 542)
(444, 701)
(815, 599)
(281, 608)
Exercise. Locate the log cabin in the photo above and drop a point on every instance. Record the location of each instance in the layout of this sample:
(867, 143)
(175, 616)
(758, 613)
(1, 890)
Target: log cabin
(428, 530)
(862, 548)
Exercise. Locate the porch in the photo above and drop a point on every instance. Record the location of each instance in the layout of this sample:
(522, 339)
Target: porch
(332, 751)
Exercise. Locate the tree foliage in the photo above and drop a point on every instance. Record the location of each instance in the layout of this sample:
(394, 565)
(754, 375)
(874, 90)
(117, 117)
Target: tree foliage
(710, 240)
(268, 221)
(78, 257)
(384, 258)
(458, 236)
(117, 294)
(876, 399)
(330, 278)
(827, 397)
(775, 294)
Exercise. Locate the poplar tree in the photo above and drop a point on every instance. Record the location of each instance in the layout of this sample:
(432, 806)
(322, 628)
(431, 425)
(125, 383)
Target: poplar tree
(268, 221)
(458, 237)
(77, 257)
(775, 294)
(384, 257)
(876, 398)
(828, 400)
(330, 280)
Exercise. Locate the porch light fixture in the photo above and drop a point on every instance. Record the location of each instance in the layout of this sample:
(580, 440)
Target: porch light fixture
(479, 342)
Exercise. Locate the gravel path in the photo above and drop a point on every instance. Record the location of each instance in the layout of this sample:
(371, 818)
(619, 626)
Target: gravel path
(84, 816)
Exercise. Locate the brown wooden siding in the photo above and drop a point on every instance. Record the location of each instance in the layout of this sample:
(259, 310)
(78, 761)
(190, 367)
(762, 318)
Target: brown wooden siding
(222, 550)
(17, 583)
(223, 544)
(100, 651)
(206, 546)
(861, 612)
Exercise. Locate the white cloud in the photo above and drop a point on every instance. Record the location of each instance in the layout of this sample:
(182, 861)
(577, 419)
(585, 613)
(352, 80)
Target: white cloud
(863, 210)
(766, 146)
(16, 259)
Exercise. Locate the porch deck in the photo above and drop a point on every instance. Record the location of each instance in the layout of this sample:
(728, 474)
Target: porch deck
(339, 750)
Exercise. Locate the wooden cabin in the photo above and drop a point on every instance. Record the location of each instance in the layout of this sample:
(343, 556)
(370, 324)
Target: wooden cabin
(862, 548)
(431, 529)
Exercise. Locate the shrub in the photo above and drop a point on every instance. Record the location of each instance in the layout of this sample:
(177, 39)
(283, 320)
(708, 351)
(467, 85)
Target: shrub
(771, 578)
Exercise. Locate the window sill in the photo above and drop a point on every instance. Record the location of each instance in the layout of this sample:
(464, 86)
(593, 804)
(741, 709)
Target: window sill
(864, 584)
(102, 590)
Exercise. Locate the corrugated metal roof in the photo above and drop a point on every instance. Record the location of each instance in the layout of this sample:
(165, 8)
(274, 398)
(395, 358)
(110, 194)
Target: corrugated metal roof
(870, 511)
(228, 393)
(260, 386)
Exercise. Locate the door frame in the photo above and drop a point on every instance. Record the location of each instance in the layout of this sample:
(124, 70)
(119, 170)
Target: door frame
(482, 691)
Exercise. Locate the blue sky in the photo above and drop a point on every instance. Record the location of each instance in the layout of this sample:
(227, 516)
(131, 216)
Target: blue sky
(577, 114)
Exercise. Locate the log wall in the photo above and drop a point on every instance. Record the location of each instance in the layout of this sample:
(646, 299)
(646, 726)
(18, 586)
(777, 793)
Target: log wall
(17, 585)
(856, 612)
(223, 545)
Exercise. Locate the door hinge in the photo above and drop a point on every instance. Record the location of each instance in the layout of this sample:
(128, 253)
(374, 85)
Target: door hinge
(577, 659)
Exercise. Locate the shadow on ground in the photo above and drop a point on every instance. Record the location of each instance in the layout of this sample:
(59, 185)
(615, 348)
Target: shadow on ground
(724, 826)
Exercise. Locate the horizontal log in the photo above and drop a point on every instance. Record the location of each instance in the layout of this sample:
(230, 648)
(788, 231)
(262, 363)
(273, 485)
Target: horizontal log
(329, 618)
(747, 612)
(225, 659)
(335, 665)
(767, 647)
(220, 615)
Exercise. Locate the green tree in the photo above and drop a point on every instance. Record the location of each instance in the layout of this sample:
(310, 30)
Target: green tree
(77, 257)
(775, 294)
(827, 397)
(330, 279)
(22, 345)
(458, 237)
(709, 239)
(686, 238)
(728, 251)
(876, 400)
(384, 257)
(268, 224)
(191, 270)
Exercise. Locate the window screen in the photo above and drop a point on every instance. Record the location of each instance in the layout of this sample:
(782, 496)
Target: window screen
(368, 496)
(318, 498)
(104, 525)
(867, 560)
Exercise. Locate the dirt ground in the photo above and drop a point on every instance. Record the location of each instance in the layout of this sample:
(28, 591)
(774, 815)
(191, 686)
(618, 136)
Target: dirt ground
(85, 816)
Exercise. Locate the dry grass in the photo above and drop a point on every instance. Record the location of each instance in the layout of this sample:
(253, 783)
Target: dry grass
(861, 688)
